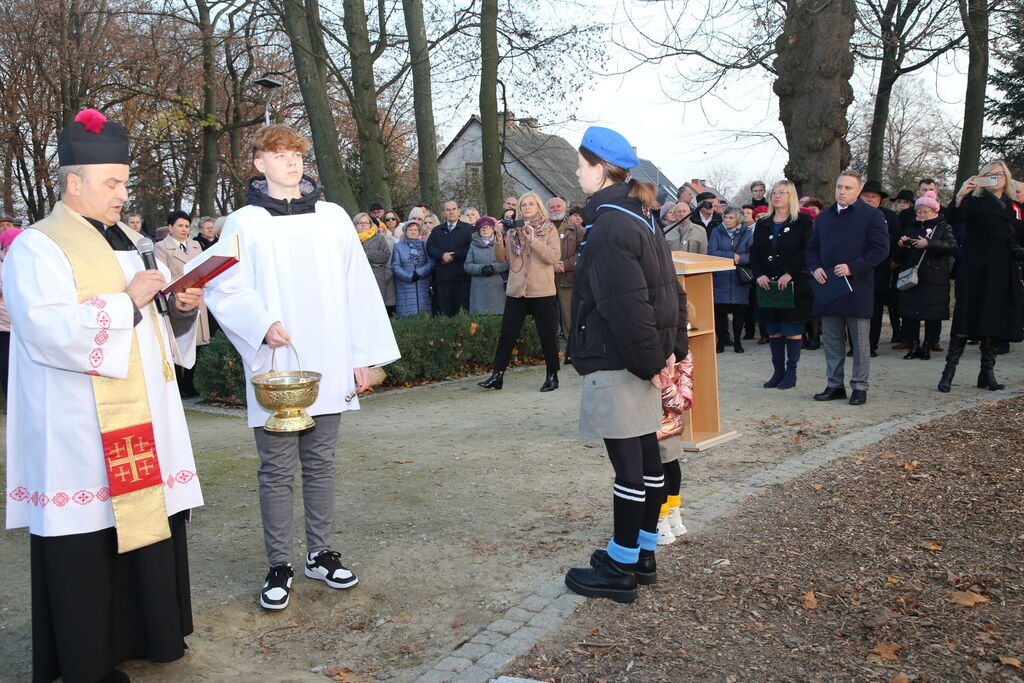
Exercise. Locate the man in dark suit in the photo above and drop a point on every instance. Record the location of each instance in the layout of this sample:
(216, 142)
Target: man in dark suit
(885, 289)
(448, 245)
(849, 240)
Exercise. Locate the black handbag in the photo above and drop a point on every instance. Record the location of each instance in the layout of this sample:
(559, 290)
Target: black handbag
(745, 274)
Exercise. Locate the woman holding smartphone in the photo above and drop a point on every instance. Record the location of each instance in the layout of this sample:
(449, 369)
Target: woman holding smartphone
(990, 295)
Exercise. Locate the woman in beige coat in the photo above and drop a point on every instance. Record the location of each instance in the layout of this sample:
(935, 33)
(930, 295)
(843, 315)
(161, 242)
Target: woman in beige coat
(531, 252)
(175, 251)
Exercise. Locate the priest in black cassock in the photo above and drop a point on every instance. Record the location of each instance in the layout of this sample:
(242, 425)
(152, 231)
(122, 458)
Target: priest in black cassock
(99, 464)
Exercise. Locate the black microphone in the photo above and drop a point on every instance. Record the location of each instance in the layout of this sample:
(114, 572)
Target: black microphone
(145, 247)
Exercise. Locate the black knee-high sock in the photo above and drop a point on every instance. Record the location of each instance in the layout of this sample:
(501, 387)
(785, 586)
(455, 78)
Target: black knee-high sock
(673, 478)
(628, 493)
(654, 483)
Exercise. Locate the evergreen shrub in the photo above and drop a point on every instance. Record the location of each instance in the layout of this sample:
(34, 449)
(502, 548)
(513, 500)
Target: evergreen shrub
(432, 349)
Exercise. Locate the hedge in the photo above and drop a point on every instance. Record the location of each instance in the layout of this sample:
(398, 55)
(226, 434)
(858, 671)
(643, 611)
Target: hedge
(432, 349)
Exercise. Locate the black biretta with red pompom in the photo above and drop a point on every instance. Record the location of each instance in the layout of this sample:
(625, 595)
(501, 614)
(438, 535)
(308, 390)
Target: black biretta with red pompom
(92, 139)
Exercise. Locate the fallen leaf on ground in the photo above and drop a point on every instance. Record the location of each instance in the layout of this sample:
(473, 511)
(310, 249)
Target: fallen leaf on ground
(359, 625)
(966, 598)
(817, 487)
(910, 466)
(401, 617)
(1010, 661)
(899, 679)
(458, 623)
(931, 545)
(989, 403)
(889, 456)
(472, 328)
(401, 461)
(808, 601)
(887, 651)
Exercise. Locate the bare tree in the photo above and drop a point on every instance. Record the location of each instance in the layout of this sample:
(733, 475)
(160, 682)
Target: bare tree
(423, 99)
(975, 17)
(492, 154)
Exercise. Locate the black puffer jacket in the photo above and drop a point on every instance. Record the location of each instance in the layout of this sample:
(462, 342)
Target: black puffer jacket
(257, 196)
(629, 311)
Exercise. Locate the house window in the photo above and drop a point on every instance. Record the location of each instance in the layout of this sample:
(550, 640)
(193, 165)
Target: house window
(474, 172)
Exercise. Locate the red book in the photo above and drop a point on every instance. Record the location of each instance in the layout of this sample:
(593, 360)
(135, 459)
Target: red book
(209, 266)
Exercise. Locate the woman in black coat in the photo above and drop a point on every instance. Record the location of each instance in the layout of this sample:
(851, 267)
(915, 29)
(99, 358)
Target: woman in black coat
(927, 243)
(628, 327)
(990, 295)
(778, 255)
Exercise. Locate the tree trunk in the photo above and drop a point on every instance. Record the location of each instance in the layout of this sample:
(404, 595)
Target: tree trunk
(814, 66)
(364, 106)
(489, 142)
(888, 72)
(975, 17)
(211, 130)
(311, 74)
(423, 103)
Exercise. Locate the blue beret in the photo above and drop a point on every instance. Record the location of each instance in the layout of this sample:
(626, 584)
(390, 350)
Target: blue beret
(610, 146)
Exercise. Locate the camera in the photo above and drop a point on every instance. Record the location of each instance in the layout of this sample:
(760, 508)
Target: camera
(509, 223)
(706, 205)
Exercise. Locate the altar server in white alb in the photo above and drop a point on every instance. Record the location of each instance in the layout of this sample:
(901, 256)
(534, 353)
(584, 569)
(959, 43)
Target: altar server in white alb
(303, 279)
(99, 464)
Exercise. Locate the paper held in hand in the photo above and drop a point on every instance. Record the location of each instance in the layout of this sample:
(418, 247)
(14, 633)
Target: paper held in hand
(206, 267)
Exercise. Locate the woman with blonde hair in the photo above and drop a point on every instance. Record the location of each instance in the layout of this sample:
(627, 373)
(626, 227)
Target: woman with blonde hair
(378, 252)
(531, 253)
(778, 256)
(989, 293)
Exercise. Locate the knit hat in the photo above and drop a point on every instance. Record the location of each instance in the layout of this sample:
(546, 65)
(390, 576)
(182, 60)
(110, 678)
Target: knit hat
(92, 139)
(758, 210)
(7, 236)
(928, 199)
(485, 222)
(610, 146)
(376, 206)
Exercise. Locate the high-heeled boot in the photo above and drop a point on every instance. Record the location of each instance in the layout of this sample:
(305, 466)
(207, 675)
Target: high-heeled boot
(987, 377)
(956, 349)
(495, 381)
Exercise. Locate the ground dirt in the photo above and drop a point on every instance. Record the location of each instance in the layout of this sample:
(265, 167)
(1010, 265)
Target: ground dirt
(899, 562)
(454, 503)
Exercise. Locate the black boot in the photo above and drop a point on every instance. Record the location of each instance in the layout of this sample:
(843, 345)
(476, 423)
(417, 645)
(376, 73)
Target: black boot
(550, 382)
(646, 567)
(609, 579)
(987, 378)
(925, 352)
(814, 340)
(912, 352)
(495, 381)
(956, 349)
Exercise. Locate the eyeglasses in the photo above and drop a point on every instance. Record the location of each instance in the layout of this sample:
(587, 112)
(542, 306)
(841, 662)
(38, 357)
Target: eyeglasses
(362, 222)
(390, 220)
(779, 193)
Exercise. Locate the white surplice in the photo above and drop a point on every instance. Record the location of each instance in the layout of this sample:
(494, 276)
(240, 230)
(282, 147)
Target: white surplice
(310, 273)
(56, 476)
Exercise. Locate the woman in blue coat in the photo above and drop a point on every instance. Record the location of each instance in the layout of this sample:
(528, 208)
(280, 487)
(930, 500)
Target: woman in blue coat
(412, 266)
(731, 239)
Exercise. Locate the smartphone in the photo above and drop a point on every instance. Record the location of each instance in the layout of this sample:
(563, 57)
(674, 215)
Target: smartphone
(986, 180)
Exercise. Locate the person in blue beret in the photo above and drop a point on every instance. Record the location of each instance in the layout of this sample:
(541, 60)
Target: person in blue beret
(628, 329)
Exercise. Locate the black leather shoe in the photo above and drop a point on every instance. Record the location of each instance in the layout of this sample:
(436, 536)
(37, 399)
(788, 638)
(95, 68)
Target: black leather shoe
(608, 580)
(737, 347)
(912, 351)
(831, 394)
(858, 397)
(495, 381)
(874, 353)
(646, 568)
(550, 382)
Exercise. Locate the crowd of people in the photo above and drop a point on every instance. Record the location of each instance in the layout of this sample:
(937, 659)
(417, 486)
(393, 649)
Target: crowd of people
(95, 416)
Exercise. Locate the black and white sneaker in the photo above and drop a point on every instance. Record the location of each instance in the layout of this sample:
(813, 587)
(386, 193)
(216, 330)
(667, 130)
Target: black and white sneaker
(326, 566)
(277, 587)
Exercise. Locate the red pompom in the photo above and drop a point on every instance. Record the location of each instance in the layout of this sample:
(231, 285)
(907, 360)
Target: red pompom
(91, 120)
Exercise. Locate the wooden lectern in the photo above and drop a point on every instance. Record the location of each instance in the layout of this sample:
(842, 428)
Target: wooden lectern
(703, 428)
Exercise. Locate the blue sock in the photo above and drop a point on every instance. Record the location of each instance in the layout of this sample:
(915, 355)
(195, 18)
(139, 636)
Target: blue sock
(648, 540)
(624, 555)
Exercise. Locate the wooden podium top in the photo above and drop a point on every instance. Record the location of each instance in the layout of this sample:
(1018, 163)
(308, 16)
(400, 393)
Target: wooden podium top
(691, 264)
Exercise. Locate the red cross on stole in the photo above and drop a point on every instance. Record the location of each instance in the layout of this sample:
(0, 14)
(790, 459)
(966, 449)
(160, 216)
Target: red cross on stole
(130, 454)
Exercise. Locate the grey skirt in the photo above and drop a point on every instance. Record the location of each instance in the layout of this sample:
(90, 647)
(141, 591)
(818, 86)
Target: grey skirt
(616, 404)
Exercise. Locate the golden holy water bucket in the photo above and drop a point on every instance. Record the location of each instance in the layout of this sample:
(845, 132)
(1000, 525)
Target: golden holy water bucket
(287, 394)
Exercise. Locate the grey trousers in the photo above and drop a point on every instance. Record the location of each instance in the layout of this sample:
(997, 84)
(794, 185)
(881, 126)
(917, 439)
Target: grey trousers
(833, 340)
(279, 454)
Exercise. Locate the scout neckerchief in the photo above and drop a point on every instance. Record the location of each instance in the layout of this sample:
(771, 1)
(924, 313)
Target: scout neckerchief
(122, 405)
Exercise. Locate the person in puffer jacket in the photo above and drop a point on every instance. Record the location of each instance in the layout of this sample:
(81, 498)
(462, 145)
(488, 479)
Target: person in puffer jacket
(628, 327)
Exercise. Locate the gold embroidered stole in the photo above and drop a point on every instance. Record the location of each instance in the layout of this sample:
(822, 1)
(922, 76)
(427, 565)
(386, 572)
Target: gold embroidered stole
(122, 405)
